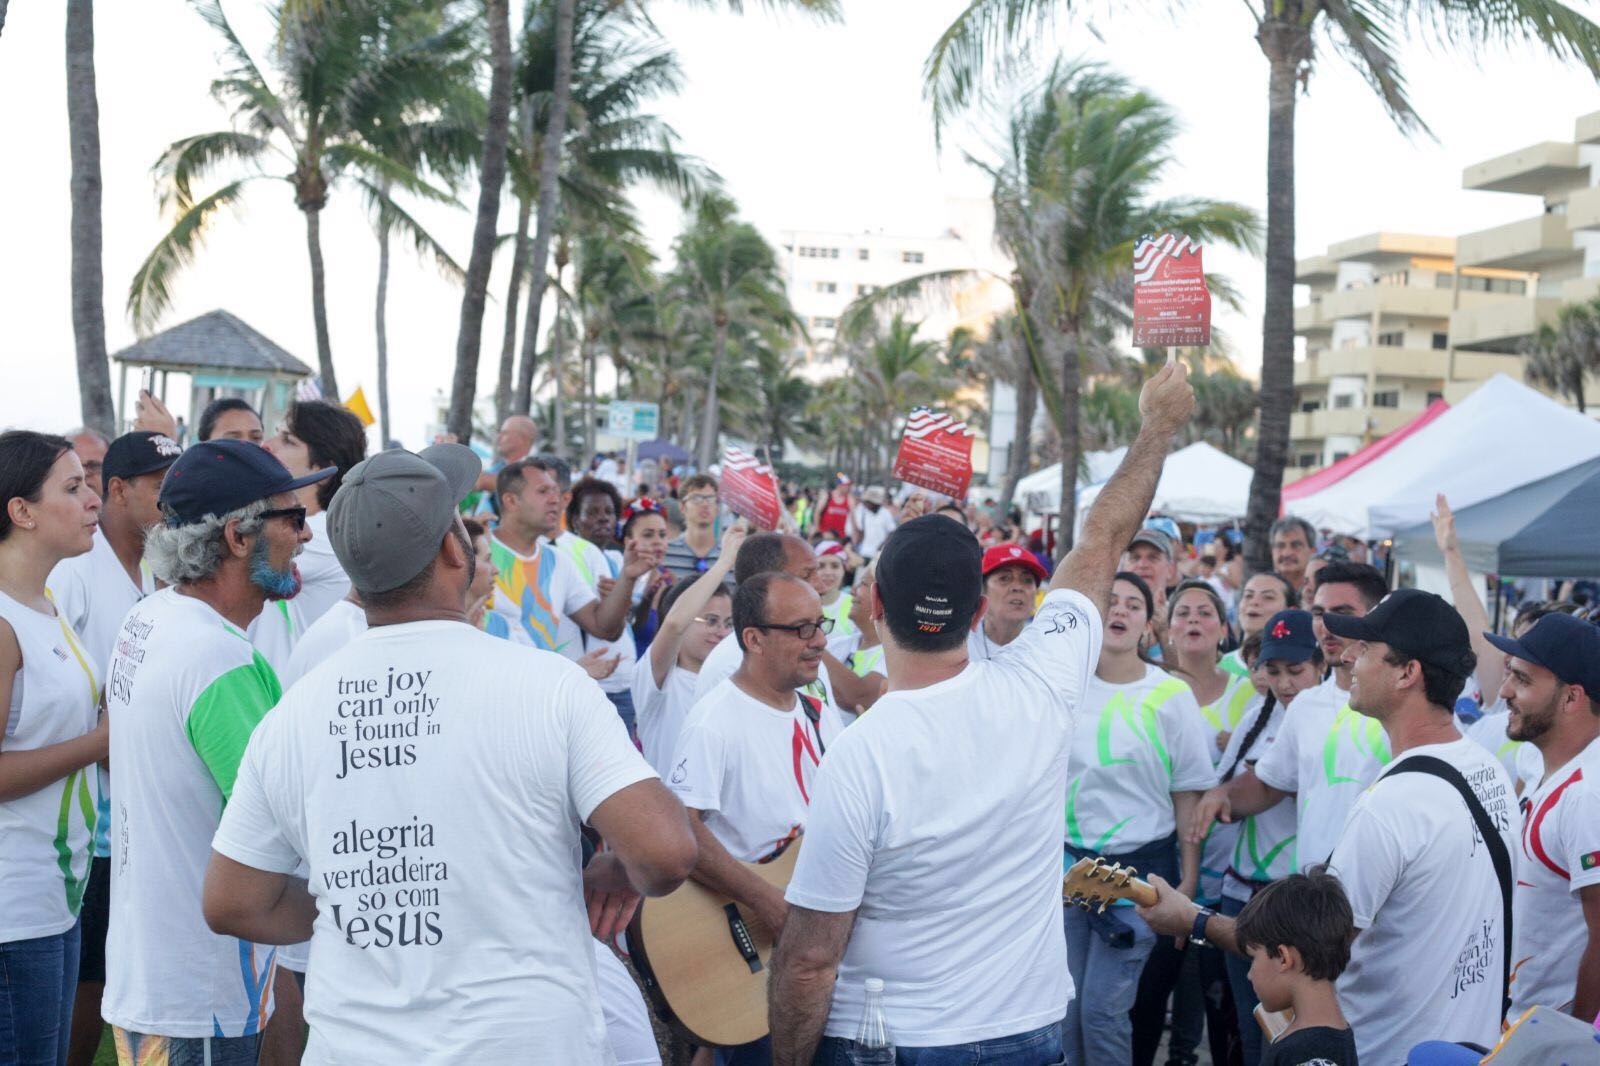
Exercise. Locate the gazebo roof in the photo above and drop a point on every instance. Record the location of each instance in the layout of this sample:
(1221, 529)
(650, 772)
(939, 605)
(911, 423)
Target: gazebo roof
(214, 341)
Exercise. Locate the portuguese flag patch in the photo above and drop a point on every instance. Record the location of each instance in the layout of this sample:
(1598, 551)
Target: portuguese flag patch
(1590, 861)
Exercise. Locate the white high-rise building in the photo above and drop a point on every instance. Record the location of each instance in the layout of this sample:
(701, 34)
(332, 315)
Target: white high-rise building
(826, 270)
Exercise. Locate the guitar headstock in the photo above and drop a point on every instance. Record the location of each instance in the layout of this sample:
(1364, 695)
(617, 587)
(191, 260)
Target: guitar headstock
(1089, 882)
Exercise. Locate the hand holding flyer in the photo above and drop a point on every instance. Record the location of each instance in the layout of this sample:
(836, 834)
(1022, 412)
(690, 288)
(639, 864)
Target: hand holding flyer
(1171, 304)
(935, 453)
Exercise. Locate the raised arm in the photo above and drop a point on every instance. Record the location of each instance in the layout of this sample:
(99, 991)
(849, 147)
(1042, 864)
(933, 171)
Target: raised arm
(693, 600)
(1165, 404)
(1491, 669)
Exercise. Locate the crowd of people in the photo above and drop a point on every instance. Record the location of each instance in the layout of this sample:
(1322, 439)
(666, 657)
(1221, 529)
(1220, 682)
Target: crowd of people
(389, 748)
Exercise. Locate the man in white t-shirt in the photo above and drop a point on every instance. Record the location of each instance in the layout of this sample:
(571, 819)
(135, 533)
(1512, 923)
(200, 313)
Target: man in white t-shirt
(932, 858)
(747, 759)
(539, 591)
(184, 690)
(432, 941)
(1326, 752)
(1428, 961)
(94, 593)
(874, 521)
(1551, 687)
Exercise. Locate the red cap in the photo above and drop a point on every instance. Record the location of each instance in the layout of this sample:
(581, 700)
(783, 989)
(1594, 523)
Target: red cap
(1013, 555)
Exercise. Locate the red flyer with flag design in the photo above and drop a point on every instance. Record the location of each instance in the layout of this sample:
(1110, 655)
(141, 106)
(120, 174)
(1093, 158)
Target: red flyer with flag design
(749, 490)
(1171, 304)
(935, 453)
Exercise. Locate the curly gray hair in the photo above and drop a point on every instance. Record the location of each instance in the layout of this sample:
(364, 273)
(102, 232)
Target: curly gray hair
(181, 555)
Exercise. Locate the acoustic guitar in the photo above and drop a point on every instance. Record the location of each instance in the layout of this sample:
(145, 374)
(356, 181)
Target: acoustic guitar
(703, 958)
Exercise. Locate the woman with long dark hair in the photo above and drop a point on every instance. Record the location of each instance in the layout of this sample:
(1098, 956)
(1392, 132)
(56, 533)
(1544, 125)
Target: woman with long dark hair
(54, 734)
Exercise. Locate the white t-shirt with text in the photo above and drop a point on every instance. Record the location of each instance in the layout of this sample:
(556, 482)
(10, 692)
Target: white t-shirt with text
(937, 819)
(1427, 963)
(434, 779)
(659, 711)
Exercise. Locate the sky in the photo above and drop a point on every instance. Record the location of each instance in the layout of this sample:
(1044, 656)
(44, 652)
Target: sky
(809, 125)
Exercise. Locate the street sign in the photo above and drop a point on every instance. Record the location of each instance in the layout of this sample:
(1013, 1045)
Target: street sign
(633, 421)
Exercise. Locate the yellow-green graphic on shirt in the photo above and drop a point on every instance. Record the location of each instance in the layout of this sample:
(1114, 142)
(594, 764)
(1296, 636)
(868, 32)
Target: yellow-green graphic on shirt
(1365, 734)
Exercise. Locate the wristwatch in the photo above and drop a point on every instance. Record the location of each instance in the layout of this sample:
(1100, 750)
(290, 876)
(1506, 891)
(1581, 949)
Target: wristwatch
(1197, 935)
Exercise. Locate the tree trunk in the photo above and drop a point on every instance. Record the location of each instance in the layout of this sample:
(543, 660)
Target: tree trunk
(591, 401)
(549, 196)
(558, 375)
(319, 303)
(88, 288)
(3, 15)
(492, 178)
(508, 341)
(707, 451)
(1021, 438)
(1287, 46)
(381, 326)
(1071, 431)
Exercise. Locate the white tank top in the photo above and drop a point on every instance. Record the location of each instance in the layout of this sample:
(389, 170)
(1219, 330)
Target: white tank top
(46, 837)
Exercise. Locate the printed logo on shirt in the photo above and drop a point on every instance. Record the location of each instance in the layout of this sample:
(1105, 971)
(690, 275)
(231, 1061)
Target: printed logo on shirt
(1589, 861)
(61, 653)
(680, 771)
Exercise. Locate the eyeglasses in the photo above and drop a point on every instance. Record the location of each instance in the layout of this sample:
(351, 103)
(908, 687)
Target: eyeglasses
(715, 621)
(295, 515)
(701, 497)
(805, 630)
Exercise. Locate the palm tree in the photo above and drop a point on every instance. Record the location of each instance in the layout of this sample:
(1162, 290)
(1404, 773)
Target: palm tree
(1004, 353)
(990, 36)
(727, 276)
(619, 63)
(896, 371)
(1560, 356)
(614, 295)
(1225, 407)
(491, 179)
(334, 90)
(88, 287)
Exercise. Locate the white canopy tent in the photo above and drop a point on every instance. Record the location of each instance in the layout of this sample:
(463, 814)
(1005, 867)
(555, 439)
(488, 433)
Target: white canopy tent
(1198, 484)
(1501, 436)
(1040, 492)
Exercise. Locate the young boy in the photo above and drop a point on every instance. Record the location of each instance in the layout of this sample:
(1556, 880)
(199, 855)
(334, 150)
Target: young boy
(1298, 931)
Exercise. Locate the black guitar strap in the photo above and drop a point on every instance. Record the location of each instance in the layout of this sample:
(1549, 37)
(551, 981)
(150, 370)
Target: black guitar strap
(1498, 853)
(813, 709)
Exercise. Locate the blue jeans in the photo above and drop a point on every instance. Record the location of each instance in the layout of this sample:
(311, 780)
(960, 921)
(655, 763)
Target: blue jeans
(187, 1051)
(1041, 1047)
(623, 702)
(1105, 981)
(38, 981)
(1244, 993)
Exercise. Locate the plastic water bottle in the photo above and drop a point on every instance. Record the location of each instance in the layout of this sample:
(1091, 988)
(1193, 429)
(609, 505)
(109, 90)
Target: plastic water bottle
(873, 1046)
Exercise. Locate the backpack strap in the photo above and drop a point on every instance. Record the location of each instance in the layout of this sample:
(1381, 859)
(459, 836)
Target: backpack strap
(813, 710)
(1498, 853)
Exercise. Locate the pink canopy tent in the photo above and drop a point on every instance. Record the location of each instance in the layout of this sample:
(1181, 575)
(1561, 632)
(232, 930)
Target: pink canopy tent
(1336, 472)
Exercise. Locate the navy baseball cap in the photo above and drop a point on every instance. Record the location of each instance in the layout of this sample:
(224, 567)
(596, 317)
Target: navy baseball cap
(930, 573)
(218, 476)
(1288, 637)
(1566, 646)
(1415, 623)
(137, 453)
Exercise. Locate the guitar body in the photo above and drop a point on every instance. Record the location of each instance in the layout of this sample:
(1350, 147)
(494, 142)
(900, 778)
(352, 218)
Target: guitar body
(696, 960)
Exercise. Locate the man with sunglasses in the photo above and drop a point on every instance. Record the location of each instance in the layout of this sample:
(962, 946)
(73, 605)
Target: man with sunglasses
(747, 759)
(186, 689)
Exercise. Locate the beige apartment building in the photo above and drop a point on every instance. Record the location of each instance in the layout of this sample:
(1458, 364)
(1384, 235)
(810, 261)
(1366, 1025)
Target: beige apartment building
(1378, 338)
(1558, 245)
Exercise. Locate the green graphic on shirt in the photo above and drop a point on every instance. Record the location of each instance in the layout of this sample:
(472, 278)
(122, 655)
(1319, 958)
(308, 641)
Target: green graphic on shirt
(1075, 832)
(226, 713)
(1141, 721)
(1230, 716)
(1365, 734)
(1247, 857)
(76, 784)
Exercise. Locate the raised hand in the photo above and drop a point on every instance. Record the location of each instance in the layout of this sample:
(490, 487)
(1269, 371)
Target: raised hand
(1167, 399)
(1444, 525)
(152, 416)
(732, 538)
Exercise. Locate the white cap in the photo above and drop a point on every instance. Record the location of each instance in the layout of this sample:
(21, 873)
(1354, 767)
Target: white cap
(874, 984)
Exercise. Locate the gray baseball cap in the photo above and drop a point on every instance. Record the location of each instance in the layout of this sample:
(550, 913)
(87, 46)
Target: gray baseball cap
(393, 509)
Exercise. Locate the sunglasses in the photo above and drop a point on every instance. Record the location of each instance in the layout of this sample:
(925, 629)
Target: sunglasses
(295, 515)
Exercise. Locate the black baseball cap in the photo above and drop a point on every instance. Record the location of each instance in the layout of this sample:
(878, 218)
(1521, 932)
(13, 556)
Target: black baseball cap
(1288, 637)
(218, 476)
(930, 574)
(1566, 646)
(1415, 623)
(139, 452)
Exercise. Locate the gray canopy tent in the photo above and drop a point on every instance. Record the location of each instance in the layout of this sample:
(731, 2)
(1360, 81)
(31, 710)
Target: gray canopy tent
(222, 356)
(1547, 528)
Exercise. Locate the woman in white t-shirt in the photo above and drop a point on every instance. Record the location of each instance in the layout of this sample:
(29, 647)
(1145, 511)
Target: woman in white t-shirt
(828, 580)
(1263, 596)
(53, 736)
(696, 616)
(1137, 768)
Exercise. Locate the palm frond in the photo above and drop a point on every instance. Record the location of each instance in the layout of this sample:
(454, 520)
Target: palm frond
(150, 293)
(192, 158)
(1363, 32)
(391, 216)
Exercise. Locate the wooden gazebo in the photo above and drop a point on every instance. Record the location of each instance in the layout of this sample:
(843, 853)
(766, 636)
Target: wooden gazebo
(222, 356)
